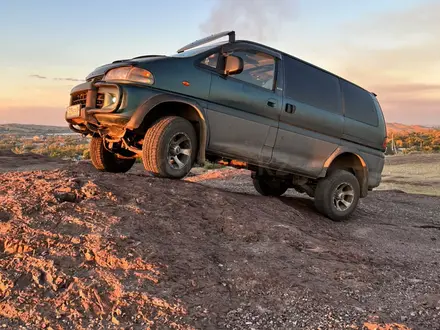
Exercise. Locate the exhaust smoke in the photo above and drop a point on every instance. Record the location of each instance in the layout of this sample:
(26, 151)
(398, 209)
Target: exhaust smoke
(256, 19)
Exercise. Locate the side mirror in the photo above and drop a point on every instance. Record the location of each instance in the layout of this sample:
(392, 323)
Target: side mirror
(233, 65)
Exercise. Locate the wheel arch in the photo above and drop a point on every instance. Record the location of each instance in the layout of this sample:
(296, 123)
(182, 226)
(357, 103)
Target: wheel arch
(352, 162)
(165, 105)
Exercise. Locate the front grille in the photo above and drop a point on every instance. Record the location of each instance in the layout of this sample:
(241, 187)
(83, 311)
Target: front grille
(81, 98)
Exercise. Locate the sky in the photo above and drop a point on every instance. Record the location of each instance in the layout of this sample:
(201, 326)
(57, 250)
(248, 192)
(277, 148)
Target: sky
(390, 47)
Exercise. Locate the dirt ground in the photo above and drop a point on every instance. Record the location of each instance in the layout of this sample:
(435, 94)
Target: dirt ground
(414, 173)
(81, 249)
(10, 161)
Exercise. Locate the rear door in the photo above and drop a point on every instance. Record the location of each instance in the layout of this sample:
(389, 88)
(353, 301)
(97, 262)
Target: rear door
(311, 121)
(244, 109)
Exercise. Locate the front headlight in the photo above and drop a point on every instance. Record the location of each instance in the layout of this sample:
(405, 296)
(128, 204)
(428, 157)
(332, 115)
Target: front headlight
(130, 73)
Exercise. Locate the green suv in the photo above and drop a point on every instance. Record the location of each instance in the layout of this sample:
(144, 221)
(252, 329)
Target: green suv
(291, 123)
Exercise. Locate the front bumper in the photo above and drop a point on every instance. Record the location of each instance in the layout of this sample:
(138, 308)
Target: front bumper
(104, 107)
(94, 100)
(88, 122)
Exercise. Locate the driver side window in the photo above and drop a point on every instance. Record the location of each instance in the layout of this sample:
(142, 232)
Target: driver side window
(259, 68)
(211, 60)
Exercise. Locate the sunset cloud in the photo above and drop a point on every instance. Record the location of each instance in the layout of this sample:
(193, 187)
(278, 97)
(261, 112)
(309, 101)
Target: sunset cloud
(396, 55)
(407, 88)
(37, 76)
(68, 79)
(56, 78)
(418, 110)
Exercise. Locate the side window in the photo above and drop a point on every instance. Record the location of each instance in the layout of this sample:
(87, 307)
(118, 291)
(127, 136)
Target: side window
(259, 68)
(312, 86)
(359, 104)
(211, 60)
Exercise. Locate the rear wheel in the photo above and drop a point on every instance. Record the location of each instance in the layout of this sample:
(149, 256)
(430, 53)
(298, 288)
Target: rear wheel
(337, 195)
(267, 186)
(169, 148)
(107, 161)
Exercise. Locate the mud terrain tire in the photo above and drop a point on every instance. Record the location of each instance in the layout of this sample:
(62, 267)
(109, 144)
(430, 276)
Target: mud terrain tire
(169, 148)
(106, 161)
(337, 195)
(269, 187)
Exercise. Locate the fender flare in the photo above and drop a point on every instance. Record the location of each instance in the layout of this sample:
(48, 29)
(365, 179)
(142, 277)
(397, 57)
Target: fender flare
(341, 151)
(142, 111)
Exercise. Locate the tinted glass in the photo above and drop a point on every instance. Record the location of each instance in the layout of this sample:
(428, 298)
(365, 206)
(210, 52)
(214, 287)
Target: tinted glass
(359, 104)
(259, 68)
(312, 86)
(211, 60)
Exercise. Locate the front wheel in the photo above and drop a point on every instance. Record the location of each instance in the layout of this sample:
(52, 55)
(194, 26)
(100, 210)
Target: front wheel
(267, 186)
(169, 148)
(106, 161)
(337, 195)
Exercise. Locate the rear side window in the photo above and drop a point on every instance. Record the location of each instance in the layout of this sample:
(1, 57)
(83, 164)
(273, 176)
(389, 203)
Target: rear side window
(312, 86)
(359, 104)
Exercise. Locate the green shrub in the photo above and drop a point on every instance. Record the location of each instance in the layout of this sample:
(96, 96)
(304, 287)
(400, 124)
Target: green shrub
(212, 166)
(86, 154)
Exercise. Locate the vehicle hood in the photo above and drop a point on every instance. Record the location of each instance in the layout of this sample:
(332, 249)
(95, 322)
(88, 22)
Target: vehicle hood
(101, 70)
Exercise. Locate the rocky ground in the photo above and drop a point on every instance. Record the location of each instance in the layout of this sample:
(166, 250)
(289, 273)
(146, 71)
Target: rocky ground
(81, 249)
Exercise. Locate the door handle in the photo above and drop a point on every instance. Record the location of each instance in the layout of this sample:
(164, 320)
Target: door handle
(290, 108)
(272, 103)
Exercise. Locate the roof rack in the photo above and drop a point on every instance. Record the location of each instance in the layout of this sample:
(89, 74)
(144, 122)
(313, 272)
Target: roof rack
(212, 37)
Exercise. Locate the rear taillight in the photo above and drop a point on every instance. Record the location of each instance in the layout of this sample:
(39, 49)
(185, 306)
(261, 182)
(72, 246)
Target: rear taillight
(384, 144)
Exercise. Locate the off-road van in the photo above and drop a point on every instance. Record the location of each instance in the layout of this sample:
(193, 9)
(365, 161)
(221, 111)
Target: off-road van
(292, 124)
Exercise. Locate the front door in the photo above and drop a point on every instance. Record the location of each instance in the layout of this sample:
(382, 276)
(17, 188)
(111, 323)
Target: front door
(244, 109)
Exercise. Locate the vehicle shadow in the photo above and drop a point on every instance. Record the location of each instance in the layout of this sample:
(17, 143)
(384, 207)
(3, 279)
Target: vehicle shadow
(298, 202)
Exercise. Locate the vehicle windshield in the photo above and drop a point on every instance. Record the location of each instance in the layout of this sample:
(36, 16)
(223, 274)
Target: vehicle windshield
(197, 50)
